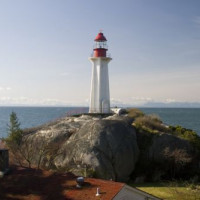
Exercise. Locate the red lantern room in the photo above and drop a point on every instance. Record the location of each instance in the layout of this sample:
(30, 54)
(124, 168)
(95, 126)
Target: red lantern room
(100, 46)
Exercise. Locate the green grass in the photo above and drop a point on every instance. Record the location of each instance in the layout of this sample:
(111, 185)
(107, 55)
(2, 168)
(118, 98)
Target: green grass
(171, 190)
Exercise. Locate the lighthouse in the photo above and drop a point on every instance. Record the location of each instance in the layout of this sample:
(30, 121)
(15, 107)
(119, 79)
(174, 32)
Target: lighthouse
(100, 94)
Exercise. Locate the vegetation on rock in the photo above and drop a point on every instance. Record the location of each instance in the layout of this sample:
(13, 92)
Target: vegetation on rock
(167, 152)
(150, 123)
(153, 124)
(186, 134)
(134, 113)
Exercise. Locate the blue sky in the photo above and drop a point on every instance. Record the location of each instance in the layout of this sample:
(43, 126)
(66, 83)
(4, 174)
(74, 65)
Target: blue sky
(45, 45)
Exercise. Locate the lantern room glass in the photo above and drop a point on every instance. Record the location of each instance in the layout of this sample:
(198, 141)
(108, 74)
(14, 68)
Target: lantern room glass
(100, 45)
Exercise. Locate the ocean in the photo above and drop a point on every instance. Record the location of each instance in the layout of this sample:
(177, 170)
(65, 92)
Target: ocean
(34, 116)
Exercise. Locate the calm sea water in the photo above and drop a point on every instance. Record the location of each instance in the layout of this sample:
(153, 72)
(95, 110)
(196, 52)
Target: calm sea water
(34, 116)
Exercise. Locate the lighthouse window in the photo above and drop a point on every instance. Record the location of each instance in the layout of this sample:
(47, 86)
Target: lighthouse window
(100, 44)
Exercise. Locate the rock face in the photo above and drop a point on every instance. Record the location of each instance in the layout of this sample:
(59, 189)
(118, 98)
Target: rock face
(164, 155)
(166, 141)
(107, 146)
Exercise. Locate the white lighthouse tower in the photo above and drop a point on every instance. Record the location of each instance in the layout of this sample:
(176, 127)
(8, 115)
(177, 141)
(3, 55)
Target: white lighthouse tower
(100, 94)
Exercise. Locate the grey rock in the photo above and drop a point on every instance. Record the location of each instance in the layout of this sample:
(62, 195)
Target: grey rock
(152, 146)
(155, 163)
(107, 146)
(163, 141)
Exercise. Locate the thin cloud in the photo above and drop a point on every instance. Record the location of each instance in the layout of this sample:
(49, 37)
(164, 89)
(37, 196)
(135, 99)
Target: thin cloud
(29, 101)
(5, 88)
(170, 100)
(142, 98)
(116, 101)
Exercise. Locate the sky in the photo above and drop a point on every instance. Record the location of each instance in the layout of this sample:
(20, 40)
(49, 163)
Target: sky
(45, 45)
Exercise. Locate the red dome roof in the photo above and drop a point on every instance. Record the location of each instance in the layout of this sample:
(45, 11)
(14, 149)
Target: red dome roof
(100, 37)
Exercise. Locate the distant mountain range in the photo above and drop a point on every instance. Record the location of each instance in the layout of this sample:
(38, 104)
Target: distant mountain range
(173, 104)
(163, 105)
(149, 104)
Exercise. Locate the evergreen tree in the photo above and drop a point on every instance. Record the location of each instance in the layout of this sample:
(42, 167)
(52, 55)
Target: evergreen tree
(14, 130)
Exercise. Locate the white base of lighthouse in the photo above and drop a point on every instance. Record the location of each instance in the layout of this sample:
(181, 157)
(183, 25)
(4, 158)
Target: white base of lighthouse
(100, 94)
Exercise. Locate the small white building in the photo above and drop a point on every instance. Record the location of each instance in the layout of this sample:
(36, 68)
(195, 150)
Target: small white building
(118, 111)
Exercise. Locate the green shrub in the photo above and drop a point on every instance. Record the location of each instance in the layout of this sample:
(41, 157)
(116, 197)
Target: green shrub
(186, 134)
(134, 113)
(150, 123)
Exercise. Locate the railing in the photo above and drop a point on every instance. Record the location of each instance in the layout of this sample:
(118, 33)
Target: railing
(108, 55)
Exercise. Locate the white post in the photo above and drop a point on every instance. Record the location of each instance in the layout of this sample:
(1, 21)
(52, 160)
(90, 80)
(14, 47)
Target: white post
(98, 192)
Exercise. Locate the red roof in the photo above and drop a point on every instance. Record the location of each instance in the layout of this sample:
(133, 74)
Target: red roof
(26, 183)
(100, 37)
(108, 190)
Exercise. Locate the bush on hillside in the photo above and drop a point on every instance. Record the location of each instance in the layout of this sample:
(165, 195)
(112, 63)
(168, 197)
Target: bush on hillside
(134, 113)
(153, 124)
(150, 123)
(186, 134)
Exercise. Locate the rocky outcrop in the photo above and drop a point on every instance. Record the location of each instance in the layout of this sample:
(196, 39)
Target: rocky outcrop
(107, 146)
(165, 156)
(164, 144)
